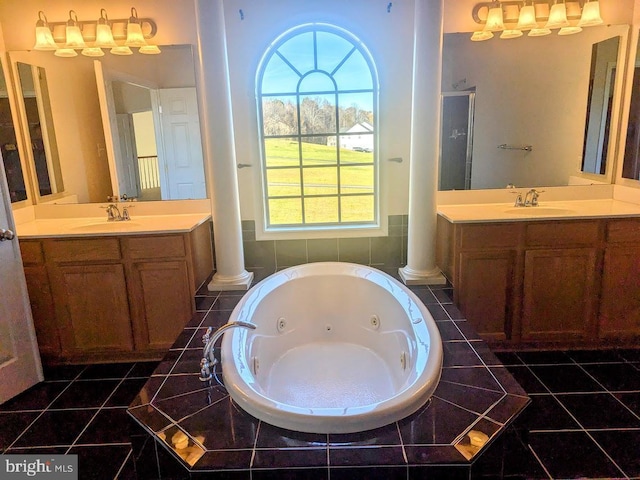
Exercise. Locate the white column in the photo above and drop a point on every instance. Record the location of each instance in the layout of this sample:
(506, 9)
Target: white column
(219, 147)
(425, 132)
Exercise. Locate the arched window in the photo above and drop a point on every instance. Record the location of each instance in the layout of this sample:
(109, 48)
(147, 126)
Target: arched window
(317, 89)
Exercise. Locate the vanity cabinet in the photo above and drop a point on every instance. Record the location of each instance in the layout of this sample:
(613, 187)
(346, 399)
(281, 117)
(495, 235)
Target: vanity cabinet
(485, 273)
(546, 283)
(560, 274)
(117, 297)
(619, 316)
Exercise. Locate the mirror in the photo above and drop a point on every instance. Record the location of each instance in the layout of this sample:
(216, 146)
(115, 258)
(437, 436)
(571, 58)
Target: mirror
(9, 146)
(88, 161)
(604, 57)
(530, 105)
(631, 160)
(40, 131)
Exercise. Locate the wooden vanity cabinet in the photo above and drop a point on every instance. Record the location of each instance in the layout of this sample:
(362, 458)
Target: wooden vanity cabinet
(546, 283)
(117, 297)
(619, 316)
(41, 298)
(485, 276)
(162, 299)
(559, 291)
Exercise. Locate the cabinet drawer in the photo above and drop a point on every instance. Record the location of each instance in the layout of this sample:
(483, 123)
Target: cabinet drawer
(624, 231)
(31, 253)
(82, 250)
(562, 234)
(169, 246)
(491, 235)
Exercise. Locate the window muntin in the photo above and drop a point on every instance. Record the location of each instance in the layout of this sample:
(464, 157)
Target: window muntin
(316, 100)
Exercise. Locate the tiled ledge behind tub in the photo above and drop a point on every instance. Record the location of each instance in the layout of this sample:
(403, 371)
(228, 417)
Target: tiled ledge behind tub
(381, 252)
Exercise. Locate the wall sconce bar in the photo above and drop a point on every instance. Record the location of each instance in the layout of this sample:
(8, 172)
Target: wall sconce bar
(102, 33)
(149, 28)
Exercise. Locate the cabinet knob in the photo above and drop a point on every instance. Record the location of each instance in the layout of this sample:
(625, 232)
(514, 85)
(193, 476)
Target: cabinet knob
(6, 235)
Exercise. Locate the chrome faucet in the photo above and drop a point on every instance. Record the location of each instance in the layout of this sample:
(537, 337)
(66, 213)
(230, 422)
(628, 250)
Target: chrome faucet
(208, 360)
(518, 202)
(531, 198)
(114, 215)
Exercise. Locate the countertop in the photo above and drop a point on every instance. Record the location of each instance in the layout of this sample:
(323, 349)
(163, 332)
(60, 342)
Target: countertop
(556, 210)
(99, 226)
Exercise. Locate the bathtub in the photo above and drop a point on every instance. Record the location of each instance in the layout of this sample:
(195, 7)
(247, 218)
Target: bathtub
(338, 348)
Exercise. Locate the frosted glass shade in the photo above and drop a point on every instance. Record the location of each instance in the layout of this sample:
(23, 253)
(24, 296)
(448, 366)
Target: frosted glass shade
(481, 36)
(135, 38)
(511, 33)
(495, 23)
(539, 32)
(149, 50)
(569, 30)
(92, 52)
(124, 50)
(590, 15)
(66, 52)
(558, 16)
(104, 36)
(74, 37)
(44, 40)
(527, 18)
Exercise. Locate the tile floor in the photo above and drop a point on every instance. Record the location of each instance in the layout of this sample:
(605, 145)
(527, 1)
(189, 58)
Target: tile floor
(584, 420)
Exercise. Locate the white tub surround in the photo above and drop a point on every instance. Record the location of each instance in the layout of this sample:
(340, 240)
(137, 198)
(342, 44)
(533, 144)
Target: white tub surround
(369, 354)
(421, 266)
(219, 147)
(546, 210)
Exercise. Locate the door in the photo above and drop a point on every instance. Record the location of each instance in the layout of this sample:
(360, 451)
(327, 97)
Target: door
(456, 140)
(19, 358)
(128, 175)
(180, 148)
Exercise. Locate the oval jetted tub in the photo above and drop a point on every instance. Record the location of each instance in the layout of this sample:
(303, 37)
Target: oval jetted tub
(337, 348)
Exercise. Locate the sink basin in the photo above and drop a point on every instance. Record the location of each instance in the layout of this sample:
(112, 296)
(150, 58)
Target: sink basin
(107, 226)
(539, 211)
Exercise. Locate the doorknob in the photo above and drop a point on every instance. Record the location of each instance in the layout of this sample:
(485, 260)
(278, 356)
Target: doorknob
(6, 235)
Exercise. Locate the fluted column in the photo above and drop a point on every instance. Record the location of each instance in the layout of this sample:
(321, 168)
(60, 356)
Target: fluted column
(219, 147)
(425, 132)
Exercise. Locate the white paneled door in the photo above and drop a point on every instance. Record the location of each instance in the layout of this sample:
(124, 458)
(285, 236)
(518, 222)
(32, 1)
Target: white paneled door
(19, 358)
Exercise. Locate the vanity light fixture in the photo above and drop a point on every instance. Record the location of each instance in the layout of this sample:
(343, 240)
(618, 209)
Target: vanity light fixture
(133, 32)
(104, 35)
(44, 37)
(539, 17)
(135, 38)
(558, 16)
(590, 14)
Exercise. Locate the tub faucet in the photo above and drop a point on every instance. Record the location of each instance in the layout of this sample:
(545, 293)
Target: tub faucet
(209, 340)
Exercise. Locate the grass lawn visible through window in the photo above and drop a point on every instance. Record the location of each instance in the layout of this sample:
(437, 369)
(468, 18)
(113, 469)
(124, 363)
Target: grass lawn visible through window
(310, 172)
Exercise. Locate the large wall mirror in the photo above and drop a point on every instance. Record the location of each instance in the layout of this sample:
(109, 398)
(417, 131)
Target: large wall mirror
(531, 111)
(123, 125)
(9, 146)
(631, 159)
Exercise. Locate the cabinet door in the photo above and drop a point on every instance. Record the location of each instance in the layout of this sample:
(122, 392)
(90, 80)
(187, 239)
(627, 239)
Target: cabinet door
(92, 304)
(162, 302)
(42, 309)
(620, 299)
(486, 283)
(559, 294)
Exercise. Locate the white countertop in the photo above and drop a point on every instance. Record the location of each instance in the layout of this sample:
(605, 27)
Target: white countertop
(556, 210)
(99, 226)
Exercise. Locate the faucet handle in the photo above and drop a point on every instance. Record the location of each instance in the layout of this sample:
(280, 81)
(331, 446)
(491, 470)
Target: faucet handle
(518, 202)
(207, 335)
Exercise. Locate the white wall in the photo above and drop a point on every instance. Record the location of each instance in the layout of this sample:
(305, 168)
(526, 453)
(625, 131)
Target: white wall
(389, 37)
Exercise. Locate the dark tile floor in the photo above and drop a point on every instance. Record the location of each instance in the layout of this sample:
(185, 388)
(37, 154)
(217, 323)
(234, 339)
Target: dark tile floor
(584, 420)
